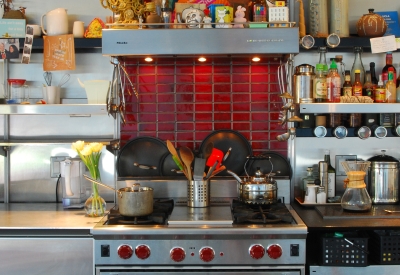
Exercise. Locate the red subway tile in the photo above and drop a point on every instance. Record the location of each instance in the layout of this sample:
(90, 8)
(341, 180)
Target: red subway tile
(260, 126)
(260, 146)
(259, 136)
(273, 78)
(183, 108)
(165, 116)
(181, 116)
(147, 127)
(221, 107)
(259, 69)
(222, 78)
(240, 88)
(259, 78)
(165, 79)
(184, 78)
(259, 116)
(143, 69)
(259, 97)
(147, 98)
(240, 97)
(186, 135)
(203, 78)
(164, 98)
(203, 108)
(222, 88)
(203, 97)
(222, 98)
(240, 78)
(184, 98)
(163, 70)
(241, 69)
(203, 116)
(222, 125)
(241, 116)
(146, 89)
(145, 79)
(181, 69)
(241, 126)
(147, 118)
(220, 69)
(260, 88)
(202, 126)
(203, 69)
(165, 88)
(241, 107)
(203, 88)
(222, 117)
(166, 135)
(166, 126)
(184, 88)
(259, 107)
(148, 108)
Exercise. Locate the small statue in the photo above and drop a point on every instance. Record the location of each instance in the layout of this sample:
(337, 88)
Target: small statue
(221, 15)
(207, 19)
(239, 17)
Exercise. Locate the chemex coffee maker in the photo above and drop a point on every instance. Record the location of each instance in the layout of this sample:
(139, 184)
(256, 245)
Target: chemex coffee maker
(71, 181)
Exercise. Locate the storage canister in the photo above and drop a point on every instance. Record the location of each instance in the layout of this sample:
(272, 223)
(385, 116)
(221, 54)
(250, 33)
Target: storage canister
(383, 179)
(302, 83)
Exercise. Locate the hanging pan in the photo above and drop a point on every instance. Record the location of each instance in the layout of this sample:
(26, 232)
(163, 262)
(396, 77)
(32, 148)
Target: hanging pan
(225, 139)
(141, 157)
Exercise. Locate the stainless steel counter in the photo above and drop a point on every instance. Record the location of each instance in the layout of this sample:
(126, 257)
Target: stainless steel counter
(44, 216)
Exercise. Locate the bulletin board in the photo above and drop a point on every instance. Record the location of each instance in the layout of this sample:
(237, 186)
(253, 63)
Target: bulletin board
(58, 53)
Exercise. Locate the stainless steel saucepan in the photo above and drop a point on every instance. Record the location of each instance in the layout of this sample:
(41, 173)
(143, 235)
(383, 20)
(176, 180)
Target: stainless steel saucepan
(132, 201)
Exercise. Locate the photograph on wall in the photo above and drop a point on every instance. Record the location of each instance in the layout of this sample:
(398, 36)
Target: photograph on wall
(9, 48)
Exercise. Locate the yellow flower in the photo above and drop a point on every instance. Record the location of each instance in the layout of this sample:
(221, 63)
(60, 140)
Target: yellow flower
(78, 145)
(86, 151)
(96, 146)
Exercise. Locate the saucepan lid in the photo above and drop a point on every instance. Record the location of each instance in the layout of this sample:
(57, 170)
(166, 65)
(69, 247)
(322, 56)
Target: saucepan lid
(141, 156)
(225, 139)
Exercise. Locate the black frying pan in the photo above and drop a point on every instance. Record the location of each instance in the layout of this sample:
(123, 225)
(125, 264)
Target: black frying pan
(223, 140)
(147, 151)
(277, 164)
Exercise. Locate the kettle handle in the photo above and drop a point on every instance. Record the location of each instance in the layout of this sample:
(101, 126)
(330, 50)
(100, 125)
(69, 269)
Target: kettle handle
(41, 24)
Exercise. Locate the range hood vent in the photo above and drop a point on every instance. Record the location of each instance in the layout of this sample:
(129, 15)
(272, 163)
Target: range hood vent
(178, 42)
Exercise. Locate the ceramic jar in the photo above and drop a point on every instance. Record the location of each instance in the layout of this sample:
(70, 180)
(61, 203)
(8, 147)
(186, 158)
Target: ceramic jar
(371, 25)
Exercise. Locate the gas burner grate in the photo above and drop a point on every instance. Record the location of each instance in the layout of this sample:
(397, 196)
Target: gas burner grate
(161, 210)
(260, 214)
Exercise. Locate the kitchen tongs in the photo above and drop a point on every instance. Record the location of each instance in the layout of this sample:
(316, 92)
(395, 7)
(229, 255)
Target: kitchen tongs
(119, 77)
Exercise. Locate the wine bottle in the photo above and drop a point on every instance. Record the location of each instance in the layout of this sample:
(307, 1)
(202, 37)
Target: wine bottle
(331, 192)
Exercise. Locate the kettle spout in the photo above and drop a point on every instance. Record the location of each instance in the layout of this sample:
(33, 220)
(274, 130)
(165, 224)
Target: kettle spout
(81, 83)
(235, 176)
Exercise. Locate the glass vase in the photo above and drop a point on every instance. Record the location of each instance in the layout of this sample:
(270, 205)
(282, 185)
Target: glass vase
(95, 205)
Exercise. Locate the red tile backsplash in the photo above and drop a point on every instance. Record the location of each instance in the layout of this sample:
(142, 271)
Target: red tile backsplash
(184, 101)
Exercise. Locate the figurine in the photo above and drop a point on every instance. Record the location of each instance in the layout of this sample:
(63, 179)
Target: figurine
(221, 14)
(239, 17)
(207, 19)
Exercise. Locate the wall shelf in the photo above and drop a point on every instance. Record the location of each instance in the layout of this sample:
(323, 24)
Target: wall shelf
(54, 109)
(82, 45)
(345, 108)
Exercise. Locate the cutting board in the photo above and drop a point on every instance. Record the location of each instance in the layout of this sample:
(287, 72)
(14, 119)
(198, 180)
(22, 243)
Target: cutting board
(377, 212)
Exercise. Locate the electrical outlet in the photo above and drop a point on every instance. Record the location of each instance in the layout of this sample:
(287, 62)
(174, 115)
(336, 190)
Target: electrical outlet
(55, 169)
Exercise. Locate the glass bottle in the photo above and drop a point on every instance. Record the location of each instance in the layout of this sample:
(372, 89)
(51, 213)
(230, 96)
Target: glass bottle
(260, 11)
(347, 87)
(308, 180)
(318, 13)
(368, 88)
(331, 192)
(374, 80)
(333, 83)
(339, 19)
(357, 85)
(357, 65)
(341, 67)
(320, 88)
(322, 55)
(390, 88)
(380, 91)
(385, 70)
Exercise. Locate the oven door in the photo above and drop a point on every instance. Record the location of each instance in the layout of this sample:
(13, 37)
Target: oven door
(201, 270)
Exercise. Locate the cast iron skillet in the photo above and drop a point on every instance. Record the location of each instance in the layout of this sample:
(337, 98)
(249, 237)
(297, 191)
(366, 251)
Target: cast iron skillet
(223, 140)
(146, 151)
(280, 165)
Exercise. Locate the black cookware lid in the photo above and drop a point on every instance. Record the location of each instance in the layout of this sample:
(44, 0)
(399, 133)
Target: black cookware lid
(383, 158)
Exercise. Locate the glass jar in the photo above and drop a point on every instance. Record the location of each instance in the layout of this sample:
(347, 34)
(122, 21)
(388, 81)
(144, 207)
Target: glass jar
(354, 120)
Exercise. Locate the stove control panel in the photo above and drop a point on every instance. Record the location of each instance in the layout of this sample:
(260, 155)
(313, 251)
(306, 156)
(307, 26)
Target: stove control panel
(142, 251)
(257, 251)
(125, 251)
(207, 254)
(274, 251)
(177, 254)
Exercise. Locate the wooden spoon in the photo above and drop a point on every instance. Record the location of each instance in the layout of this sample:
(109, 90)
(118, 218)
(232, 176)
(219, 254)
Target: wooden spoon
(173, 151)
(187, 158)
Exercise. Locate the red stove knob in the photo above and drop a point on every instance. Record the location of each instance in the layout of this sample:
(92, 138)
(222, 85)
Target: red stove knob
(274, 251)
(177, 254)
(142, 251)
(207, 254)
(257, 251)
(125, 251)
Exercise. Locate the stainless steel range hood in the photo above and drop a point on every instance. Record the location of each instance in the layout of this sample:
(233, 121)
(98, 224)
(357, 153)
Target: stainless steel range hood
(178, 42)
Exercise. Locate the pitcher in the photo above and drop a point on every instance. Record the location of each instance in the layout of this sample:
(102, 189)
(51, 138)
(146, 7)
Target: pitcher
(56, 22)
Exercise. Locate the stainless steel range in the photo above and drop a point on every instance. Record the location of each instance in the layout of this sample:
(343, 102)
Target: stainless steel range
(228, 237)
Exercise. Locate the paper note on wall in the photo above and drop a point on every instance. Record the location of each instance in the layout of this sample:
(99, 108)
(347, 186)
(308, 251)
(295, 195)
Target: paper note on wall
(58, 53)
(383, 44)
